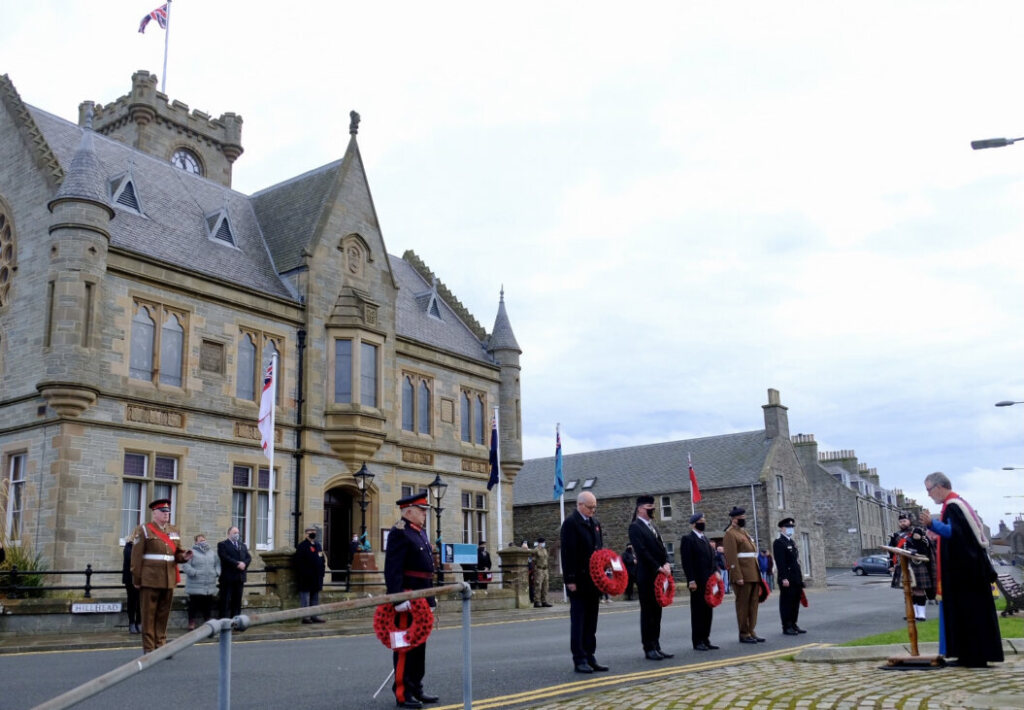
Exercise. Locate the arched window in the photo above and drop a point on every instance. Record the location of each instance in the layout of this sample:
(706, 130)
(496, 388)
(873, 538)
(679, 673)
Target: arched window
(143, 333)
(269, 351)
(245, 387)
(172, 339)
(465, 417)
(478, 418)
(408, 405)
(7, 254)
(424, 408)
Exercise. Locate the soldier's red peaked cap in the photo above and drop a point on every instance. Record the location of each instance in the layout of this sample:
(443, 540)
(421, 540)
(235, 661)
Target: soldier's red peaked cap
(160, 503)
(418, 500)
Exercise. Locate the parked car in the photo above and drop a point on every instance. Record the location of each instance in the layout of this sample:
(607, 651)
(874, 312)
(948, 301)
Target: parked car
(872, 564)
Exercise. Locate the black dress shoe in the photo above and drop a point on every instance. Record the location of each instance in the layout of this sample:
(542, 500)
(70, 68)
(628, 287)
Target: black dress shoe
(790, 632)
(307, 620)
(653, 655)
(665, 655)
(747, 639)
(799, 630)
(318, 620)
(410, 703)
(597, 666)
(546, 604)
(711, 646)
(759, 639)
(427, 698)
(701, 647)
(583, 668)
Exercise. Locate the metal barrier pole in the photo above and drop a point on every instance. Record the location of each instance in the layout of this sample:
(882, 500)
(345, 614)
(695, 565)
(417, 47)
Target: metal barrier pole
(467, 665)
(224, 687)
(88, 581)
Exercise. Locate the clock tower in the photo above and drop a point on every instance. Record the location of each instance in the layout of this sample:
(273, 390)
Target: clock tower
(190, 140)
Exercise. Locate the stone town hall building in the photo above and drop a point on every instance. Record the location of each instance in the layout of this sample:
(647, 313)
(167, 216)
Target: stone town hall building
(140, 300)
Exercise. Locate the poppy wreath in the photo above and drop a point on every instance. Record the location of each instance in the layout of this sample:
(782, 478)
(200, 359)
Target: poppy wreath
(714, 590)
(762, 590)
(606, 578)
(418, 631)
(664, 589)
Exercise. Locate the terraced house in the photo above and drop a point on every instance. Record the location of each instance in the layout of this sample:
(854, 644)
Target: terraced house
(141, 298)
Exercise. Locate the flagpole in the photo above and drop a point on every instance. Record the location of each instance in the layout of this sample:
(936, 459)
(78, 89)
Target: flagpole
(689, 465)
(497, 438)
(273, 415)
(163, 83)
(561, 494)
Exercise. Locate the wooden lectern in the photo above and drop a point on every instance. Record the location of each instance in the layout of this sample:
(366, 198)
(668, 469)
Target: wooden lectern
(914, 660)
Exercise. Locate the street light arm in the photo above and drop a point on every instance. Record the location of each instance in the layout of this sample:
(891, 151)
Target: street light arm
(993, 143)
(1007, 403)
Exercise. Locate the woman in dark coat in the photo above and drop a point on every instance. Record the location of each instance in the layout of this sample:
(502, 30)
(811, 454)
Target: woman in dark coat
(310, 567)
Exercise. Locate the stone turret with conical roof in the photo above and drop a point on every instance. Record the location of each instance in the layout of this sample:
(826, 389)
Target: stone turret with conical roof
(78, 241)
(506, 351)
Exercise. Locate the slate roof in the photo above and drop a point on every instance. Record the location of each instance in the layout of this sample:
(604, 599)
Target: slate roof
(172, 227)
(289, 212)
(723, 461)
(412, 320)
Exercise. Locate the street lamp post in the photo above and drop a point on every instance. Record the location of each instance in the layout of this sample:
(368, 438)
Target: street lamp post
(437, 491)
(993, 143)
(363, 480)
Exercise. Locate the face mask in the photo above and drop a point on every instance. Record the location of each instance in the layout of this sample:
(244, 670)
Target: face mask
(203, 546)
(312, 536)
(788, 532)
(234, 537)
(741, 523)
(700, 526)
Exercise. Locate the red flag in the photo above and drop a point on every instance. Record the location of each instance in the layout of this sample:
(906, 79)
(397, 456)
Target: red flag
(694, 490)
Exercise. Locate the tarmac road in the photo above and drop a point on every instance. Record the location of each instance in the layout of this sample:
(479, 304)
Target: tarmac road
(520, 658)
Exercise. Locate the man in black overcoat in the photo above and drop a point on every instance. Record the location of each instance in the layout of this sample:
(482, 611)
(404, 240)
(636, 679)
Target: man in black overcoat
(234, 561)
(408, 566)
(790, 577)
(580, 537)
(970, 630)
(651, 558)
(698, 557)
(310, 567)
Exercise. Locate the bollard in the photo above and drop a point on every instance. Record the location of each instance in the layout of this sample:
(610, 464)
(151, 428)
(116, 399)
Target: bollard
(224, 685)
(467, 665)
(88, 581)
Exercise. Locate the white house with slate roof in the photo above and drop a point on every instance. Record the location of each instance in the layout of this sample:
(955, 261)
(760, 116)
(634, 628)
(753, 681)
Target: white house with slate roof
(140, 301)
(756, 470)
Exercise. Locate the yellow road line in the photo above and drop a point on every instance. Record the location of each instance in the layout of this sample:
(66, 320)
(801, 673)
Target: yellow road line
(605, 681)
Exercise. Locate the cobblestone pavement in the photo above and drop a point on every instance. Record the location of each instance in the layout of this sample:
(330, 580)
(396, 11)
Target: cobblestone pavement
(785, 683)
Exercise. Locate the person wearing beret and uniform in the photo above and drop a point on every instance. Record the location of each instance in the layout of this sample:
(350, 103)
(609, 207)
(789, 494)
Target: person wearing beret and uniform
(580, 537)
(408, 566)
(698, 557)
(540, 573)
(791, 579)
(651, 558)
(156, 552)
(744, 575)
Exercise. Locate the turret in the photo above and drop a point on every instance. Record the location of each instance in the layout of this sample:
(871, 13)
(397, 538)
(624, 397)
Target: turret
(78, 240)
(505, 350)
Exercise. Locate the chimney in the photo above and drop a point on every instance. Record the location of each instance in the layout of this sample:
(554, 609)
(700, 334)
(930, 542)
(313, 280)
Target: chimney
(776, 421)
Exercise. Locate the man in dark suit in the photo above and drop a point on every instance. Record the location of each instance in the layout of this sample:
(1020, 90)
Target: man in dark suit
(310, 566)
(234, 561)
(651, 558)
(791, 578)
(581, 535)
(408, 566)
(698, 558)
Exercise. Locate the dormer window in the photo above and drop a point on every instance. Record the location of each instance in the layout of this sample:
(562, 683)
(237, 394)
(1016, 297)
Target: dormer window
(218, 226)
(123, 193)
(187, 160)
(428, 301)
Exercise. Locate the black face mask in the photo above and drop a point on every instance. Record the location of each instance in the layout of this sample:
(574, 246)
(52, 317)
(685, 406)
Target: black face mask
(741, 523)
(700, 526)
(312, 536)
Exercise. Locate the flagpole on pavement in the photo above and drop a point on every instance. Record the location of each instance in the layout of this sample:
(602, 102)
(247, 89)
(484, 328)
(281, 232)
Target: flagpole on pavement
(560, 489)
(497, 437)
(273, 417)
(163, 81)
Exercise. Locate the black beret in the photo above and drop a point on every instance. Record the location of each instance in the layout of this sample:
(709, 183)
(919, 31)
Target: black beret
(540, 539)
(695, 517)
(736, 510)
(903, 516)
(645, 500)
(787, 522)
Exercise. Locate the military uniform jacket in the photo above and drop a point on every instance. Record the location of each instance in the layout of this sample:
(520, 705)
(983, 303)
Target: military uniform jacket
(540, 558)
(154, 562)
(409, 560)
(787, 561)
(741, 555)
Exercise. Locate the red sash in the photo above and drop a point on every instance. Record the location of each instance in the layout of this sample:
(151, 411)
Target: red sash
(170, 543)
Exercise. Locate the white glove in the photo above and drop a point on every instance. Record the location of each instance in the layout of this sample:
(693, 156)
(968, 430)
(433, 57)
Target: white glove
(404, 606)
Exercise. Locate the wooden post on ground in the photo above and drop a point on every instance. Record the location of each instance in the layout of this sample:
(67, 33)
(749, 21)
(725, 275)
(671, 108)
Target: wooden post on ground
(914, 660)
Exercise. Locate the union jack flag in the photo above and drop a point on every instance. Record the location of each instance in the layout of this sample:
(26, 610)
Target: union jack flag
(159, 14)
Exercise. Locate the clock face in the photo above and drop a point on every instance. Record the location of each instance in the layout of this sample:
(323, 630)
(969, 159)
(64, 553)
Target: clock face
(187, 161)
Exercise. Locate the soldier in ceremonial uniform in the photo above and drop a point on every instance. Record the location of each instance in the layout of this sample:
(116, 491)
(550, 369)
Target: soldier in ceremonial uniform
(540, 573)
(791, 578)
(741, 558)
(408, 566)
(156, 552)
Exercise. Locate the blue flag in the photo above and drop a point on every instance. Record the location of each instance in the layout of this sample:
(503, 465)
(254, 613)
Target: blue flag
(559, 481)
(493, 481)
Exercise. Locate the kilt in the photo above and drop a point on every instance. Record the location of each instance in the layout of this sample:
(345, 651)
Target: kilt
(922, 575)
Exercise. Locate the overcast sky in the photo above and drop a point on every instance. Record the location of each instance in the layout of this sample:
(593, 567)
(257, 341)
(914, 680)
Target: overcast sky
(687, 203)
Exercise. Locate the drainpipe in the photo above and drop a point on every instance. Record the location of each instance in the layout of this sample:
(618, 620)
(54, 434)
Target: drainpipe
(300, 399)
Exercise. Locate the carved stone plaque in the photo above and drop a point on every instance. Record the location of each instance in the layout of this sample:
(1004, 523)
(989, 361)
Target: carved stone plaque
(152, 415)
(447, 411)
(475, 466)
(211, 357)
(417, 457)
